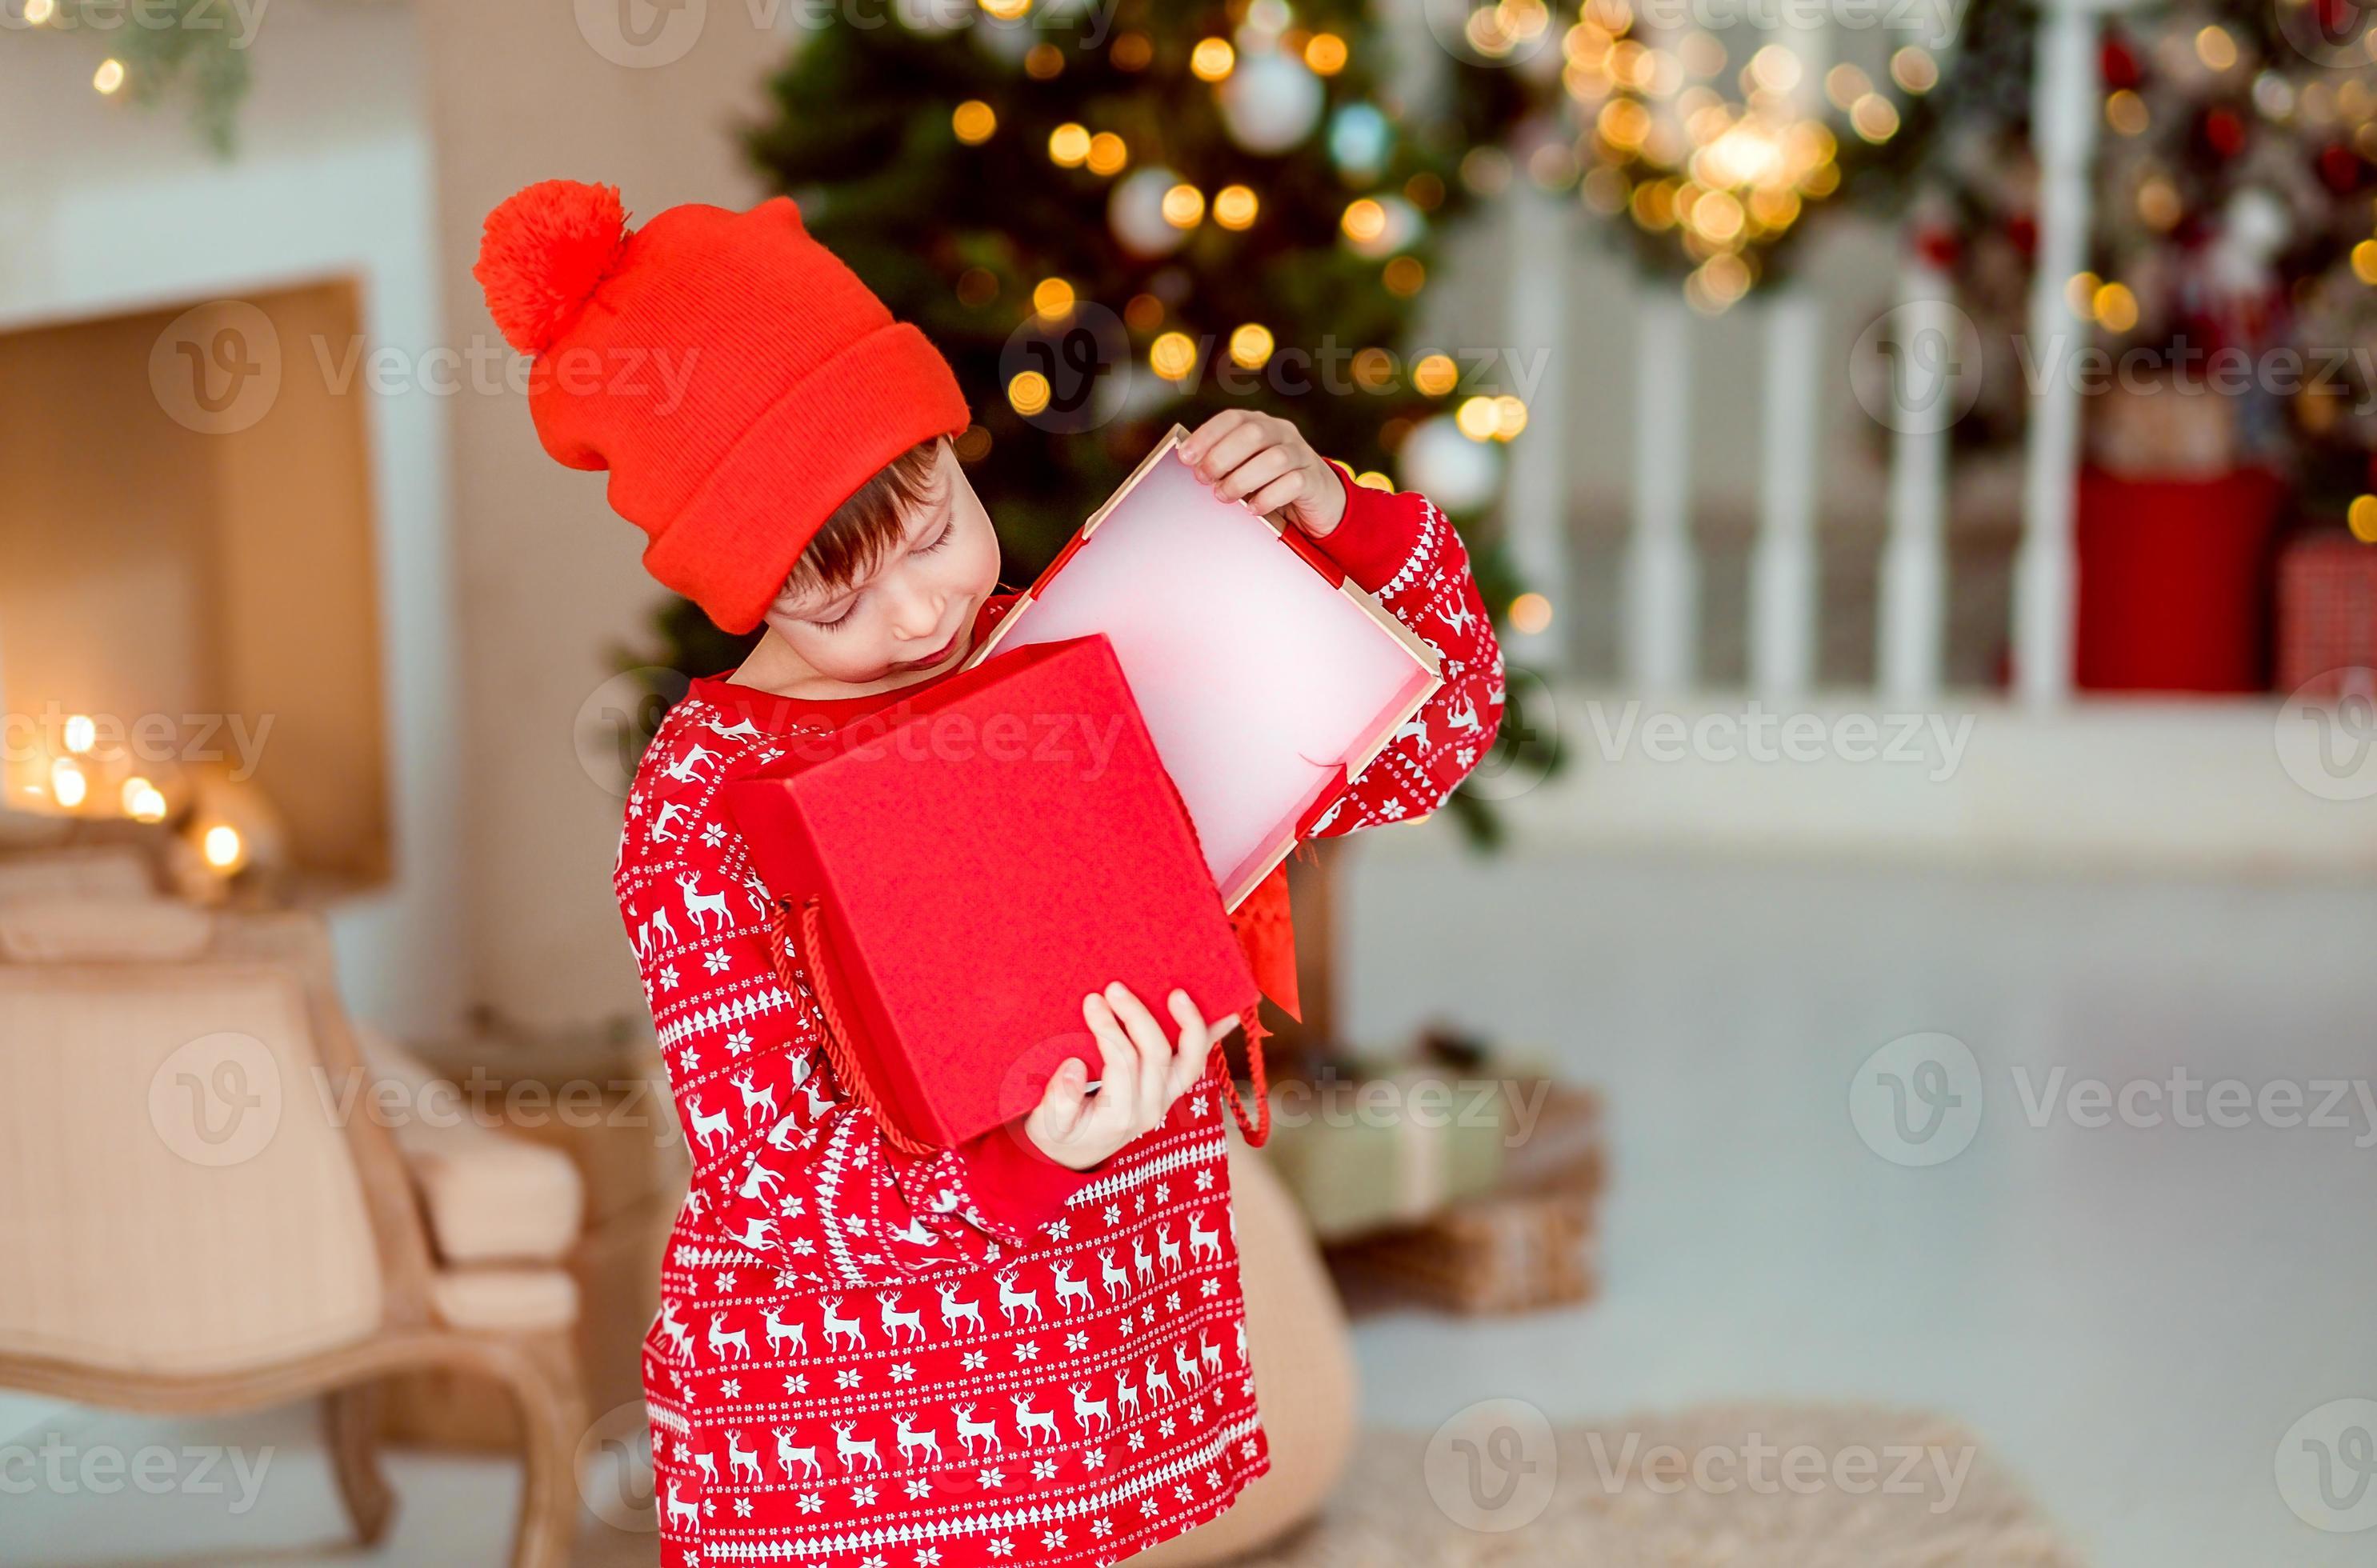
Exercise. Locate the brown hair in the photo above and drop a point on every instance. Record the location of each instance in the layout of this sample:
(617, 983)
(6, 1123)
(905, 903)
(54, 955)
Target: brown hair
(870, 522)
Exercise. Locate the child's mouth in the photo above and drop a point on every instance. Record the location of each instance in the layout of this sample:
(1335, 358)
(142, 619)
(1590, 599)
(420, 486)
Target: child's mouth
(943, 652)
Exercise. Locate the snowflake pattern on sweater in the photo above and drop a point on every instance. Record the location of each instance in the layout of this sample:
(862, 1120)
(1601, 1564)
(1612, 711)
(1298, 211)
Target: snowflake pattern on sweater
(866, 1358)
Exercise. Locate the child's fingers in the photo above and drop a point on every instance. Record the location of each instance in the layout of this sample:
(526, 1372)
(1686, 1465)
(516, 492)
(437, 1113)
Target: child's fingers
(1226, 451)
(1193, 448)
(1196, 1045)
(1061, 1101)
(1266, 466)
(1154, 1049)
(1278, 493)
(1119, 1074)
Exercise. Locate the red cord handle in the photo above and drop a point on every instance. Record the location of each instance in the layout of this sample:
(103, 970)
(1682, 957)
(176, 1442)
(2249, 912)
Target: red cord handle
(830, 1020)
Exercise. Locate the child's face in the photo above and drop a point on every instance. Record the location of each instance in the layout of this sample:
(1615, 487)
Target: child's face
(913, 614)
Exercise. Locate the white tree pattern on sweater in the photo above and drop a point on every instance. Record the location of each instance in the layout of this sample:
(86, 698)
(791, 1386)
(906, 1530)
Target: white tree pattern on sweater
(869, 1359)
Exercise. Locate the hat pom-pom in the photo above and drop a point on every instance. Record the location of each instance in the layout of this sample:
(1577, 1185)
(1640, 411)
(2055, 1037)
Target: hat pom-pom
(544, 251)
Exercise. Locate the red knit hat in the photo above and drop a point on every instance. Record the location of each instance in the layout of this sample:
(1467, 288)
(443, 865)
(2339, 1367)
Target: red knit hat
(735, 377)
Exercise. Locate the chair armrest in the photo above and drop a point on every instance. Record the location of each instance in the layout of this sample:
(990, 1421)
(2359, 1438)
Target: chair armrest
(490, 1197)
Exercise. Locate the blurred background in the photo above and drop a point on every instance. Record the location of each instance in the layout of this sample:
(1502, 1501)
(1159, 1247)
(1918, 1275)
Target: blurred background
(1897, 998)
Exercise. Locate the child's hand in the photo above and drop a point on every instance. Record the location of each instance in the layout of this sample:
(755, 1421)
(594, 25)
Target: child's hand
(1265, 461)
(1141, 1076)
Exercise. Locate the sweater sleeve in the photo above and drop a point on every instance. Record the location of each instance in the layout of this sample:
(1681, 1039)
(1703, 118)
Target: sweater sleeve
(1399, 547)
(786, 1163)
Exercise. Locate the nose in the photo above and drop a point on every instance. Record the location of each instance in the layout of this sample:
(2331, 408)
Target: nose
(917, 610)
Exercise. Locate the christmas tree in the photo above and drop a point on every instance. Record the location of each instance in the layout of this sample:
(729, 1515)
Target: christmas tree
(1112, 222)
(2238, 149)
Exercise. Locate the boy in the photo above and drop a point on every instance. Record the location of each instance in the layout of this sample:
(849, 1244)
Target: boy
(1029, 1349)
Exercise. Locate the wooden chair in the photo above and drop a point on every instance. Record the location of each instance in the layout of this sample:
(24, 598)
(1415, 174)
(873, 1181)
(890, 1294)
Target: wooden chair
(199, 1221)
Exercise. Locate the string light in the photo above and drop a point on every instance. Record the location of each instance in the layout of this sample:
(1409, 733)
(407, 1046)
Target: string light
(69, 784)
(1364, 222)
(109, 76)
(1212, 59)
(1250, 346)
(1172, 356)
(1184, 206)
(973, 120)
(1324, 55)
(1053, 299)
(1235, 206)
(1436, 375)
(1531, 614)
(2361, 518)
(1108, 153)
(223, 849)
(38, 11)
(1068, 145)
(1027, 394)
(81, 733)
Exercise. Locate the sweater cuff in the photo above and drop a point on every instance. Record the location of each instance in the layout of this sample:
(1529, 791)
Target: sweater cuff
(1375, 538)
(1018, 1189)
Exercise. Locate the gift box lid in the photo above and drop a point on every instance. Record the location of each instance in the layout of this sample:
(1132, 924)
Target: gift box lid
(1266, 678)
(982, 855)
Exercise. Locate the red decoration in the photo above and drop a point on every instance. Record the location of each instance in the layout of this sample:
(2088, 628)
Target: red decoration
(2224, 132)
(2340, 167)
(2175, 582)
(980, 857)
(1938, 246)
(2327, 614)
(2118, 63)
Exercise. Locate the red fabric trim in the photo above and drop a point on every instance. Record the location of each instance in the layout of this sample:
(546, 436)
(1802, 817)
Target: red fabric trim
(1375, 538)
(1017, 1186)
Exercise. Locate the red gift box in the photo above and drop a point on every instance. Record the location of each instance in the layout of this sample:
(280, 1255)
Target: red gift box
(965, 866)
(2327, 615)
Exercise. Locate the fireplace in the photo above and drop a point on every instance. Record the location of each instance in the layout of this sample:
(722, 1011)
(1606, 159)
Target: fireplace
(189, 625)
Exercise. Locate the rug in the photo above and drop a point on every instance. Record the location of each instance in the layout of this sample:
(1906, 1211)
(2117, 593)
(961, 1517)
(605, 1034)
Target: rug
(1777, 1487)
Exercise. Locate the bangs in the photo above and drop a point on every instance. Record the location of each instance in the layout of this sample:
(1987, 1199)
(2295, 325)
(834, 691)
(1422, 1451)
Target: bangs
(865, 528)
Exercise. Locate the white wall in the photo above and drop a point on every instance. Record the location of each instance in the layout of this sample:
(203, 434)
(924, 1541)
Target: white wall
(106, 209)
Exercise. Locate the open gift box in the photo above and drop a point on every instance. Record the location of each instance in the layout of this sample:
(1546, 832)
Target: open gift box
(956, 871)
(1266, 677)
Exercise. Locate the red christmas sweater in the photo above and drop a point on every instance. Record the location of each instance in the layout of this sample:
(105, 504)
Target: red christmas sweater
(869, 1359)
